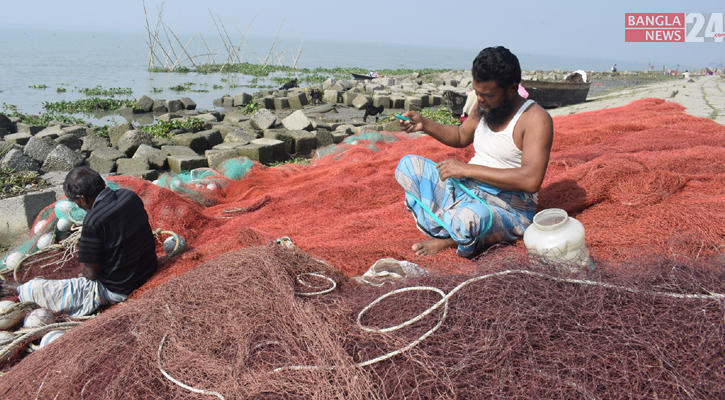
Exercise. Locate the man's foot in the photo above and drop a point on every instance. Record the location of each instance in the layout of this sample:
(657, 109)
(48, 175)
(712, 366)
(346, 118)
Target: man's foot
(433, 246)
(8, 289)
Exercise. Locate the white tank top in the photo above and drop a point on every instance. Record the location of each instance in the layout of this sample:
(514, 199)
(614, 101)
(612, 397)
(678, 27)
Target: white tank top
(497, 149)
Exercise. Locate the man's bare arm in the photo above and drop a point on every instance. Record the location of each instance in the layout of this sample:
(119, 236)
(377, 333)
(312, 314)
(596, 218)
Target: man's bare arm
(90, 270)
(538, 136)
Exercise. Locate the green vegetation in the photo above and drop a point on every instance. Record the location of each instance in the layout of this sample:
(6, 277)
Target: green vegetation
(43, 119)
(38, 86)
(61, 90)
(88, 105)
(440, 115)
(294, 160)
(251, 108)
(157, 90)
(100, 91)
(186, 87)
(14, 183)
(163, 128)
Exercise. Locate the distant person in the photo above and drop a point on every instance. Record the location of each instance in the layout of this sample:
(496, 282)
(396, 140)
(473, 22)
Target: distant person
(686, 75)
(492, 198)
(614, 68)
(117, 250)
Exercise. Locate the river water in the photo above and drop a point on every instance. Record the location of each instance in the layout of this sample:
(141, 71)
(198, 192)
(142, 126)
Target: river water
(83, 58)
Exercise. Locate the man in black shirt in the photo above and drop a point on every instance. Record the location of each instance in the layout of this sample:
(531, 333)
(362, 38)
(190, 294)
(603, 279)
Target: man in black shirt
(116, 251)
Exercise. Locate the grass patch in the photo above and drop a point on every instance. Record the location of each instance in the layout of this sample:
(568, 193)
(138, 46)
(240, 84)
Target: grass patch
(293, 160)
(163, 128)
(440, 115)
(100, 91)
(42, 119)
(38, 86)
(88, 105)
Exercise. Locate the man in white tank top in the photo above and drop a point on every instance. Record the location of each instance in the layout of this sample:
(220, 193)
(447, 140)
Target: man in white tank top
(492, 198)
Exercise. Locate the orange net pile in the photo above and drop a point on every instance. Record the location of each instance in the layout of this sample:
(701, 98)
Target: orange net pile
(646, 181)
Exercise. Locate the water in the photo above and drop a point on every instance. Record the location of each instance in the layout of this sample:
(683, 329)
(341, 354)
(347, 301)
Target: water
(73, 59)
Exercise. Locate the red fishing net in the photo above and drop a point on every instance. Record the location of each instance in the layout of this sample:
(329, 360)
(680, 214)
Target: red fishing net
(646, 181)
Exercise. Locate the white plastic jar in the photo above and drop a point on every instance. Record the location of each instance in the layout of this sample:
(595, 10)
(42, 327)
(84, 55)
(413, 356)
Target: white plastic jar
(555, 237)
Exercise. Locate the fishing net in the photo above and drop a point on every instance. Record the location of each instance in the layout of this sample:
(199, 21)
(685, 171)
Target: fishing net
(645, 180)
(242, 326)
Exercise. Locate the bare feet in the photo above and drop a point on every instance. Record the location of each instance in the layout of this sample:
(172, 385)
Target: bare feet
(8, 289)
(433, 246)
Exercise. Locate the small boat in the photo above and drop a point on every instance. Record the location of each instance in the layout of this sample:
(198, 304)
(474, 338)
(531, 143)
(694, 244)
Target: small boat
(362, 77)
(556, 94)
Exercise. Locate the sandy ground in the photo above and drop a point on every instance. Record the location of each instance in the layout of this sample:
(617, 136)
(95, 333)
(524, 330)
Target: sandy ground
(702, 96)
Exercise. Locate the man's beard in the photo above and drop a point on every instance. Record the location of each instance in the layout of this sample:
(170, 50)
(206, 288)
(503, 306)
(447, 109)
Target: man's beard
(497, 115)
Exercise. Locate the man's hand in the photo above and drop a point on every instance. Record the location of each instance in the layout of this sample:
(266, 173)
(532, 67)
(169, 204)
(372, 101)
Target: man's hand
(452, 169)
(414, 125)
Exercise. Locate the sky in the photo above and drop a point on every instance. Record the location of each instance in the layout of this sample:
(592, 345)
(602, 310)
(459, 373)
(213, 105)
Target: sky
(565, 28)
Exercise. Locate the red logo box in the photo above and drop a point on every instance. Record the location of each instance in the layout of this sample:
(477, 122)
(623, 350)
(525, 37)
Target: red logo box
(654, 27)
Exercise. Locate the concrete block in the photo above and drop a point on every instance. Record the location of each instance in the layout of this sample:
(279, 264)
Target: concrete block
(38, 149)
(115, 131)
(15, 160)
(332, 96)
(126, 165)
(263, 150)
(149, 174)
(381, 100)
(297, 100)
(281, 103)
(265, 102)
(160, 106)
(240, 136)
(131, 140)
(193, 141)
(263, 119)
(283, 135)
(51, 132)
(324, 138)
(214, 157)
(413, 103)
(297, 121)
(61, 159)
(242, 99)
(103, 160)
(20, 138)
(27, 128)
(227, 102)
(188, 103)
(174, 150)
(304, 143)
(186, 163)
(155, 158)
(338, 137)
(7, 125)
(92, 143)
(348, 97)
(145, 103)
(362, 101)
(229, 146)
(397, 101)
(18, 213)
(213, 137)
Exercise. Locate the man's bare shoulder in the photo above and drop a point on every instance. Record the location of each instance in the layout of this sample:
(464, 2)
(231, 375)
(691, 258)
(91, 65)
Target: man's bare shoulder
(536, 114)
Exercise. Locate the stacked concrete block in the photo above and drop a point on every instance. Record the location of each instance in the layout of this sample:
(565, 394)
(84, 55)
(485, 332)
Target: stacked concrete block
(186, 163)
(264, 150)
(104, 160)
(214, 157)
(194, 141)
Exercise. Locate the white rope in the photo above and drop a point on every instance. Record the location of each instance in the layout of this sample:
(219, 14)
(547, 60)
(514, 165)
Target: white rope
(169, 377)
(444, 302)
(331, 281)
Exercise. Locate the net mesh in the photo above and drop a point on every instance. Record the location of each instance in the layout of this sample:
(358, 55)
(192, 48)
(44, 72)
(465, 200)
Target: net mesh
(645, 180)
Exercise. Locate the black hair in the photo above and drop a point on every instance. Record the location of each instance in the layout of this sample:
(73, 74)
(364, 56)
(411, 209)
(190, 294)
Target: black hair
(83, 181)
(497, 64)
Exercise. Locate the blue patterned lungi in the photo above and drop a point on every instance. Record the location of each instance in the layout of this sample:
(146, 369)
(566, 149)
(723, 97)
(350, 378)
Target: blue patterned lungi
(75, 296)
(474, 214)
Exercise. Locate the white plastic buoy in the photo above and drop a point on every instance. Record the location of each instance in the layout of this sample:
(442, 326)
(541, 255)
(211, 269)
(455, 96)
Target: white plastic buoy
(40, 226)
(39, 317)
(64, 225)
(211, 186)
(63, 206)
(171, 243)
(49, 337)
(6, 337)
(9, 320)
(13, 259)
(44, 241)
